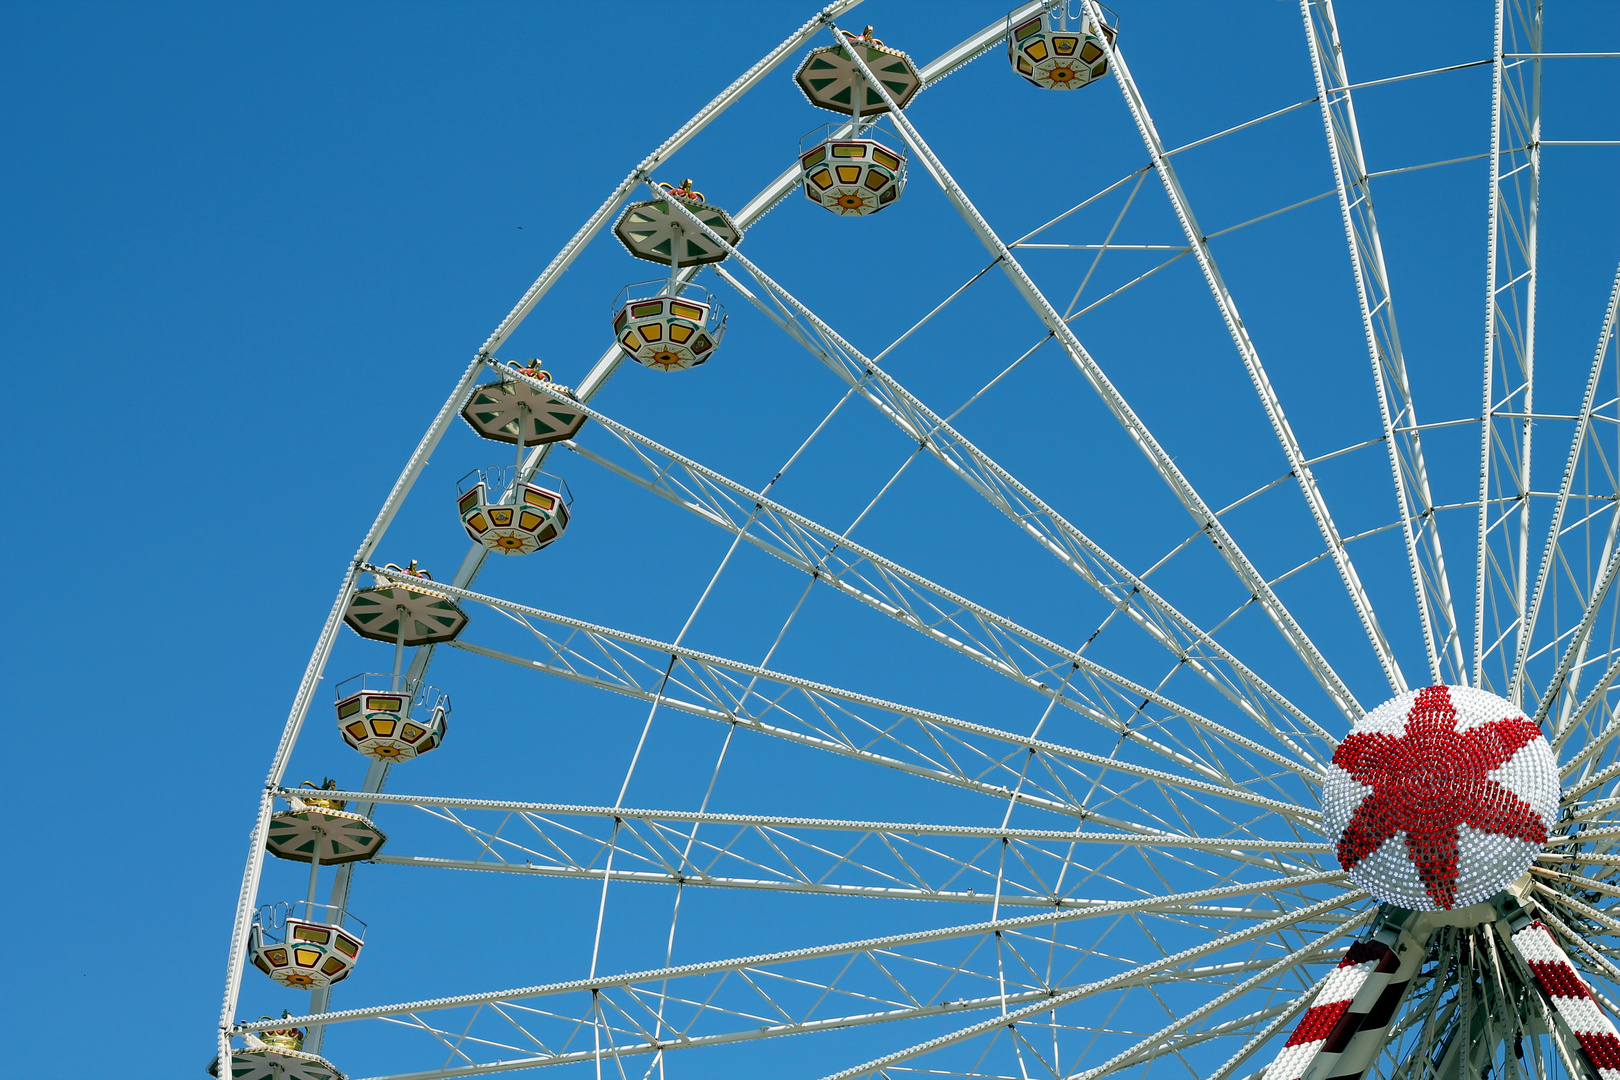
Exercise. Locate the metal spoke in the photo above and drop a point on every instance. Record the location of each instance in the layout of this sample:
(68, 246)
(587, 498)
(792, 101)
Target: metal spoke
(1123, 590)
(715, 689)
(1303, 915)
(1251, 361)
(1509, 371)
(598, 375)
(1408, 470)
(1162, 462)
(834, 559)
(1556, 529)
(1064, 998)
(844, 858)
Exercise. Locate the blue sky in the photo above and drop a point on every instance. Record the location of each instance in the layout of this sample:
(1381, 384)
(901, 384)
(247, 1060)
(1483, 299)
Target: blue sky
(249, 249)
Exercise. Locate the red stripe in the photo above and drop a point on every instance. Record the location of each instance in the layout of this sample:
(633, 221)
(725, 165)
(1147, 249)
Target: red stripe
(1317, 1023)
(1342, 1033)
(1559, 979)
(1602, 1048)
(1362, 951)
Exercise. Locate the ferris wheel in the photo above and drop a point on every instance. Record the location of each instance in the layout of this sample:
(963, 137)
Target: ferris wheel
(1287, 798)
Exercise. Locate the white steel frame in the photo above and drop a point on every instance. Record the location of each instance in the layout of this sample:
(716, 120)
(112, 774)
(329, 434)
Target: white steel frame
(1229, 799)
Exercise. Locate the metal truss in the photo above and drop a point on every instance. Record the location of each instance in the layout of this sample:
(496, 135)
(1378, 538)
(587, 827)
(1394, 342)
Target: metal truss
(934, 972)
(1577, 487)
(945, 617)
(1125, 592)
(1397, 411)
(599, 373)
(1197, 240)
(1501, 574)
(890, 860)
(1116, 403)
(1008, 1019)
(955, 751)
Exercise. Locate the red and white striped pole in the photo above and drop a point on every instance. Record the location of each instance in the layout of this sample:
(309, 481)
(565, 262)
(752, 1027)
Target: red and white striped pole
(1341, 1033)
(1571, 998)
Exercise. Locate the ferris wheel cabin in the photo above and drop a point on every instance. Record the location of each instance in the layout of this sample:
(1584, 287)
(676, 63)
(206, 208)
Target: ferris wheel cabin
(669, 333)
(515, 412)
(509, 517)
(1050, 53)
(387, 724)
(829, 76)
(671, 325)
(405, 615)
(853, 177)
(305, 946)
(277, 1054)
(316, 829)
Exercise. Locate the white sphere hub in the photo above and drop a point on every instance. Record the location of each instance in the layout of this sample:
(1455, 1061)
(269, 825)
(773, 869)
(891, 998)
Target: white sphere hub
(1440, 798)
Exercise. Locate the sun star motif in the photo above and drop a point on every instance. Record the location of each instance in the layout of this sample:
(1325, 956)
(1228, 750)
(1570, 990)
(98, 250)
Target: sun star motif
(851, 201)
(1432, 778)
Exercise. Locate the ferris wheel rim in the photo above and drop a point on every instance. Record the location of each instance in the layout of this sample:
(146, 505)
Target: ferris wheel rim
(1337, 549)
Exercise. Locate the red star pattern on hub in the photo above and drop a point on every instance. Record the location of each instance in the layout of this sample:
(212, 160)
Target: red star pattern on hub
(1429, 781)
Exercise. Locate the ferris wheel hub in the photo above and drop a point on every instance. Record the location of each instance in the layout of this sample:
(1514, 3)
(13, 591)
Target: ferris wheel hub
(1440, 798)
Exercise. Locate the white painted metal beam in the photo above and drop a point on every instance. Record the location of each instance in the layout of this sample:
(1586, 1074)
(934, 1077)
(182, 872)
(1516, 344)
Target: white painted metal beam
(1315, 662)
(558, 265)
(1008, 898)
(1058, 1000)
(1549, 553)
(769, 821)
(1419, 524)
(1205, 779)
(1509, 361)
(1224, 301)
(879, 944)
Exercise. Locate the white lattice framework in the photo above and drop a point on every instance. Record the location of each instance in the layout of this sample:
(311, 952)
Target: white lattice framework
(1167, 897)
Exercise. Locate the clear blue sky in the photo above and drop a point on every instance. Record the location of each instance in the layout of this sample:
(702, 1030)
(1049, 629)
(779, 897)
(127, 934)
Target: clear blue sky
(249, 248)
